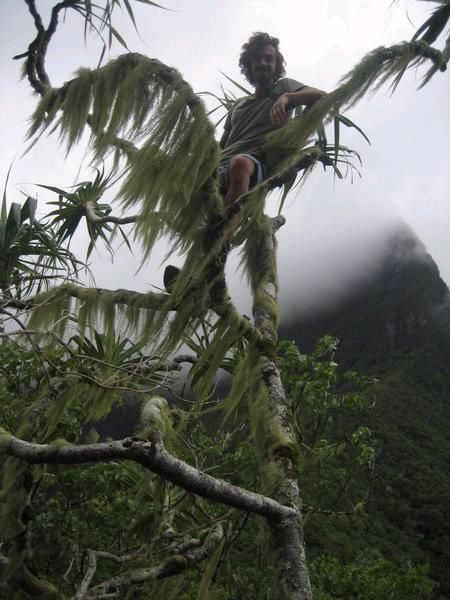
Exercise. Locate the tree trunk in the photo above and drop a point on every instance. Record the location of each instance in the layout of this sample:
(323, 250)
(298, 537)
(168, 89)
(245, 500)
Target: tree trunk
(276, 446)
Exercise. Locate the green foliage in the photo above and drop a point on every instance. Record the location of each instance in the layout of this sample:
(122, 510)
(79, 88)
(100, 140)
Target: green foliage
(71, 209)
(369, 578)
(30, 255)
(144, 101)
(98, 18)
(337, 453)
(432, 28)
(75, 512)
(81, 508)
(285, 146)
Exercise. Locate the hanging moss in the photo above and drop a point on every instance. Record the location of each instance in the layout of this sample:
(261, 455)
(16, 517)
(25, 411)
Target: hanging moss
(284, 146)
(45, 111)
(101, 402)
(73, 390)
(204, 371)
(141, 100)
(77, 103)
(239, 388)
(51, 306)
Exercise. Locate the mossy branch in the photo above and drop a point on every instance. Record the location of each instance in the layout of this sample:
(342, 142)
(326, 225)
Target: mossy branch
(95, 296)
(92, 216)
(141, 101)
(269, 416)
(152, 456)
(168, 568)
(283, 148)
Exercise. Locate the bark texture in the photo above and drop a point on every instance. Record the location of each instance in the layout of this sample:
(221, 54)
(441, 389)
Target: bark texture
(117, 586)
(275, 440)
(153, 456)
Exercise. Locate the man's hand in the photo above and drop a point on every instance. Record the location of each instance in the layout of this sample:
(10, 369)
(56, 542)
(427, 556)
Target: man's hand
(278, 114)
(306, 96)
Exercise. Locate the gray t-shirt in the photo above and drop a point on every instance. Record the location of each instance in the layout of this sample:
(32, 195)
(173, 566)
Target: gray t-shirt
(249, 121)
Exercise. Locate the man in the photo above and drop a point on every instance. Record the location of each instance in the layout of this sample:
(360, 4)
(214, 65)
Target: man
(253, 117)
(250, 120)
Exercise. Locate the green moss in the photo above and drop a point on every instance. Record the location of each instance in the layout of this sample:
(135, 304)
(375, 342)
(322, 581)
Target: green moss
(270, 306)
(284, 147)
(77, 102)
(139, 99)
(5, 439)
(204, 371)
(239, 389)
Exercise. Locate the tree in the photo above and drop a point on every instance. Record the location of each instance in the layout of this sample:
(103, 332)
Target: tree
(147, 119)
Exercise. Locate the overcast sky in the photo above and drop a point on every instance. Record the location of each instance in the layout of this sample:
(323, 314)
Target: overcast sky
(333, 227)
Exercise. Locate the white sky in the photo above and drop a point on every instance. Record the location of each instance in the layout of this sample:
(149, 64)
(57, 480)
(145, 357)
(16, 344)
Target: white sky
(333, 228)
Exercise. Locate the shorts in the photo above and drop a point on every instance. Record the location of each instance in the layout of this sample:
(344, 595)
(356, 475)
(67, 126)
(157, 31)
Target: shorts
(257, 177)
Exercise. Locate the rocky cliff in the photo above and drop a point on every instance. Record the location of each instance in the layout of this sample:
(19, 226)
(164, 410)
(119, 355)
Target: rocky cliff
(396, 327)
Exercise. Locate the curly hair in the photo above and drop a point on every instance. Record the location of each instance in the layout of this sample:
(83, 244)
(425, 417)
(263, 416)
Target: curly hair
(255, 44)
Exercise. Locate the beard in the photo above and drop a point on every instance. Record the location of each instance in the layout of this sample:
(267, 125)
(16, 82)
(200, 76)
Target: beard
(263, 76)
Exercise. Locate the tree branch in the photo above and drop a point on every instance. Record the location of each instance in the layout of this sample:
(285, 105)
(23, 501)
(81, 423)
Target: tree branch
(314, 155)
(30, 63)
(185, 358)
(94, 218)
(152, 456)
(172, 566)
(172, 365)
(329, 512)
(120, 560)
(36, 16)
(274, 429)
(48, 34)
(37, 50)
(150, 300)
(88, 576)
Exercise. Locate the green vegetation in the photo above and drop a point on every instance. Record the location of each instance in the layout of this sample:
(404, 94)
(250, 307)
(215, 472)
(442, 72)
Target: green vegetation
(118, 508)
(396, 331)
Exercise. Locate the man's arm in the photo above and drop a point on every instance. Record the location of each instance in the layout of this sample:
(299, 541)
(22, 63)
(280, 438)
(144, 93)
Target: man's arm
(304, 97)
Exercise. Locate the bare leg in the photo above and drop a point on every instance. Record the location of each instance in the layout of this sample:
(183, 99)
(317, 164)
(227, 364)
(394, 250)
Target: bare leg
(240, 174)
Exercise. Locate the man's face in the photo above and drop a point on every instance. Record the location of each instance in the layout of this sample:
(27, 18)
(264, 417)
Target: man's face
(263, 66)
